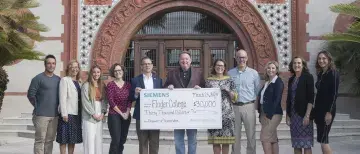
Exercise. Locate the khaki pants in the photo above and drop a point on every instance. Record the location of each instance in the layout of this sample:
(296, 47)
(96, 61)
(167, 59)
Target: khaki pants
(148, 140)
(45, 131)
(245, 114)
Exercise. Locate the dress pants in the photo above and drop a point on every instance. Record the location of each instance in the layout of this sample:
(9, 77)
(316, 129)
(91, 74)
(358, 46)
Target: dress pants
(92, 134)
(118, 128)
(148, 140)
(245, 114)
(45, 132)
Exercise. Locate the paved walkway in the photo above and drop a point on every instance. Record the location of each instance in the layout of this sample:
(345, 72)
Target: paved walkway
(25, 146)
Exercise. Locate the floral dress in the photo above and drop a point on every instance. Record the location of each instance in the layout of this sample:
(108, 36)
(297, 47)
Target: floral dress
(226, 134)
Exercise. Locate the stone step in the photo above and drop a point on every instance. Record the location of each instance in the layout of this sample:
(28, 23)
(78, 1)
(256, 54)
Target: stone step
(284, 139)
(28, 121)
(280, 131)
(203, 133)
(339, 116)
(15, 126)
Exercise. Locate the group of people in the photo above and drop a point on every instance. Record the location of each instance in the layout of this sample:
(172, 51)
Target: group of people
(74, 110)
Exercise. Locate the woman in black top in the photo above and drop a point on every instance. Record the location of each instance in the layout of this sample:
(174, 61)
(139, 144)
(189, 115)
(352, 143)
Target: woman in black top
(299, 104)
(327, 89)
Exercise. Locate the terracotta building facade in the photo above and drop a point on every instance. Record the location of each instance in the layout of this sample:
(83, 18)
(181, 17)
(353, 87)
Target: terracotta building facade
(105, 32)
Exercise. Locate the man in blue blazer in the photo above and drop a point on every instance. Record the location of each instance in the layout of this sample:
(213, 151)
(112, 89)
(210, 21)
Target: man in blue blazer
(148, 139)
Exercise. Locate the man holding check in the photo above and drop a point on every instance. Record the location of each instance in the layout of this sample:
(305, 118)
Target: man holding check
(148, 139)
(185, 77)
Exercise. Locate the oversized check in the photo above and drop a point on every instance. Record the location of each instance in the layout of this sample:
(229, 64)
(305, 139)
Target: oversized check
(180, 109)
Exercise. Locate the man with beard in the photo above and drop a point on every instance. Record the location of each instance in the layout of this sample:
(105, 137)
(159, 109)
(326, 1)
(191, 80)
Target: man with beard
(43, 94)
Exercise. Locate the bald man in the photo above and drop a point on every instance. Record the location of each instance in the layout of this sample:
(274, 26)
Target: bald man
(247, 82)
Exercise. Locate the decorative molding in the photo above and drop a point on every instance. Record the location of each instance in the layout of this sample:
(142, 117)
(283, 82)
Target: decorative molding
(299, 19)
(74, 29)
(271, 1)
(116, 30)
(98, 2)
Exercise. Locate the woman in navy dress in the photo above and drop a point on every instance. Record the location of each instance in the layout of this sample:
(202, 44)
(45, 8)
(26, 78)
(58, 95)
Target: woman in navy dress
(69, 130)
(325, 103)
(299, 104)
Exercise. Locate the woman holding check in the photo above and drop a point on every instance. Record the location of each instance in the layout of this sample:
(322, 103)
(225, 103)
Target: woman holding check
(222, 138)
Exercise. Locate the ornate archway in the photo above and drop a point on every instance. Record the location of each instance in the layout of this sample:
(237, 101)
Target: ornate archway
(128, 16)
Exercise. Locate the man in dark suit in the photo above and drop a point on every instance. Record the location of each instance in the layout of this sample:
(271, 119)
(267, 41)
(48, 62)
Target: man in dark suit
(148, 139)
(185, 77)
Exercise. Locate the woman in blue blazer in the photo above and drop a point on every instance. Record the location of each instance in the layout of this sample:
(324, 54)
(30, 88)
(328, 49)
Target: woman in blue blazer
(269, 108)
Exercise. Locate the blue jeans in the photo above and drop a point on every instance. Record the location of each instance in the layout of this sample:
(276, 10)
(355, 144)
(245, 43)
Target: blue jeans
(179, 141)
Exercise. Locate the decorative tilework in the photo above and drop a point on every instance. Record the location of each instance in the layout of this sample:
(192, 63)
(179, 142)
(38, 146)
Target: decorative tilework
(277, 15)
(279, 18)
(90, 19)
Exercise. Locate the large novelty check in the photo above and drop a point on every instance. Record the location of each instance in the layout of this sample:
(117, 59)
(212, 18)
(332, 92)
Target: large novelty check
(180, 109)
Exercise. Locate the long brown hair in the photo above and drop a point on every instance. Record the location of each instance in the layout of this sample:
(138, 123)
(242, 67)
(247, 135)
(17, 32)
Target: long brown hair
(267, 78)
(331, 64)
(68, 69)
(304, 64)
(92, 88)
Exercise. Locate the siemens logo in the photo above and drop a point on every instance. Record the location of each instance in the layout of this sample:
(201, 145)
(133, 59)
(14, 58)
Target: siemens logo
(156, 95)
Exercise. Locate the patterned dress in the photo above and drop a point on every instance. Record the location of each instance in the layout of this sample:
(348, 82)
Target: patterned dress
(71, 132)
(301, 136)
(226, 134)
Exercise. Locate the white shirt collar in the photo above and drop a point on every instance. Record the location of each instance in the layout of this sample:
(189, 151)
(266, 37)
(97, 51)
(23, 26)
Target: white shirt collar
(274, 79)
(146, 76)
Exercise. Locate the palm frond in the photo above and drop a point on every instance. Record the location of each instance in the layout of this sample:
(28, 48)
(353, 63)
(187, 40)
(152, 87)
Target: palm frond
(348, 37)
(20, 40)
(25, 4)
(7, 48)
(5, 24)
(34, 25)
(34, 36)
(355, 27)
(29, 54)
(348, 9)
(4, 4)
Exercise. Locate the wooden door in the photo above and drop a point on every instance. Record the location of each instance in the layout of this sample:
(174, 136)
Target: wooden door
(165, 54)
(174, 47)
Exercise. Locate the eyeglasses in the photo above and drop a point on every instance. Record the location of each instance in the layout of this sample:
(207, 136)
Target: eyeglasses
(240, 57)
(117, 71)
(219, 65)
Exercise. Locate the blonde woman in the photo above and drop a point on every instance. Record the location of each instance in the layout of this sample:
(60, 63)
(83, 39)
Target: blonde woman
(94, 105)
(69, 125)
(269, 108)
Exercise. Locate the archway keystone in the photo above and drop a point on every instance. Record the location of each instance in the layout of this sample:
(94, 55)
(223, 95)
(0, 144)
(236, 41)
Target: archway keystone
(128, 16)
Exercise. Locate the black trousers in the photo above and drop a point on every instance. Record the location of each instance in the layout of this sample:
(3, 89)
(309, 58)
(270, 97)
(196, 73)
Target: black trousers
(118, 128)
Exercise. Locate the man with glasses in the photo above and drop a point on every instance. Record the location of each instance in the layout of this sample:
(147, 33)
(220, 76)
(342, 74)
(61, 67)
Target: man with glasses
(247, 83)
(148, 139)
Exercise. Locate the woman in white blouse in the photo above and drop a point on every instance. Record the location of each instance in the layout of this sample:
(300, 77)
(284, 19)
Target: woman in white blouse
(69, 130)
(269, 108)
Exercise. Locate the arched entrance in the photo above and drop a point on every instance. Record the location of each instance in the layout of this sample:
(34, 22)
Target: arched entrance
(127, 17)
